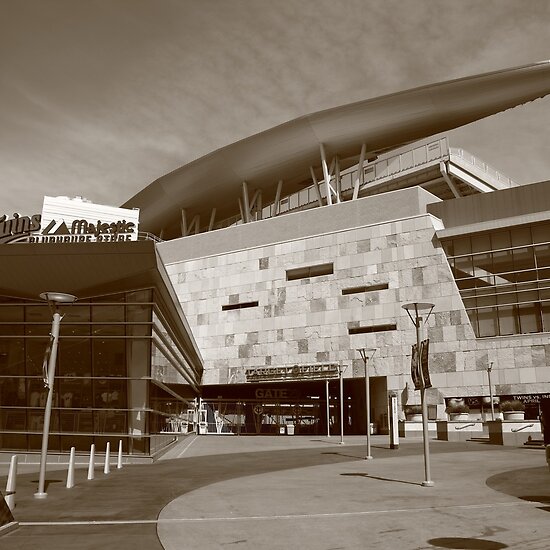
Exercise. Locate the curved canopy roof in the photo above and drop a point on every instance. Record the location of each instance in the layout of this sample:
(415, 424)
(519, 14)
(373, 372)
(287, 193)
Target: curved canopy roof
(287, 151)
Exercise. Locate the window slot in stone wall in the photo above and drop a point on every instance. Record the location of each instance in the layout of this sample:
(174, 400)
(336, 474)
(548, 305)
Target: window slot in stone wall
(309, 271)
(373, 328)
(368, 288)
(242, 305)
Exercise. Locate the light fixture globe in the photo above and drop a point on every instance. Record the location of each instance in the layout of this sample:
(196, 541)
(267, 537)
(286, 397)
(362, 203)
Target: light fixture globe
(418, 306)
(58, 297)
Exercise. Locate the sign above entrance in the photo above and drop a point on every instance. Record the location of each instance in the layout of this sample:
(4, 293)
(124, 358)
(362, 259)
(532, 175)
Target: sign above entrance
(318, 371)
(71, 220)
(77, 220)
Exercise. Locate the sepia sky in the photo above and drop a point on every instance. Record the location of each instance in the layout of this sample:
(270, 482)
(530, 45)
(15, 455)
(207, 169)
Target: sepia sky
(99, 98)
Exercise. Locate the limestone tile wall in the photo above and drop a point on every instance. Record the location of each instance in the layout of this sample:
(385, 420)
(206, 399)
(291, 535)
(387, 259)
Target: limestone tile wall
(307, 320)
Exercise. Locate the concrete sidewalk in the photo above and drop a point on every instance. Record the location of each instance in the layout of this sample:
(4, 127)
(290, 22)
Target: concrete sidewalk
(296, 492)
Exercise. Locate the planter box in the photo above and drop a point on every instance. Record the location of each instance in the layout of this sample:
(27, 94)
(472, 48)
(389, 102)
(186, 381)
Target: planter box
(414, 429)
(448, 430)
(514, 415)
(512, 432)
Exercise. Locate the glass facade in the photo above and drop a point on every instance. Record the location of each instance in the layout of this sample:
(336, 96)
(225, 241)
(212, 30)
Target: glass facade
(105, 387)
(504, 279)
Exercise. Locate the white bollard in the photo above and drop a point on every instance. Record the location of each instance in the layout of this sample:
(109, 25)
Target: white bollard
(119, 463)
(10, 485)
(92, 462)
(70, 471)
(107, 467)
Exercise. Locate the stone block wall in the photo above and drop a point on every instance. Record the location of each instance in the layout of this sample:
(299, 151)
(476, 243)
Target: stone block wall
(308, 320)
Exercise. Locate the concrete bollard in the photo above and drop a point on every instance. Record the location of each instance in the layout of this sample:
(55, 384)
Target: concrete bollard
(107, 467)
(70, 471)
(10, 485)
(91, 471)
(119, 463)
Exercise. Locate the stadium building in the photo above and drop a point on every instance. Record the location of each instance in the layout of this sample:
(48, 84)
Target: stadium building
(278, 258)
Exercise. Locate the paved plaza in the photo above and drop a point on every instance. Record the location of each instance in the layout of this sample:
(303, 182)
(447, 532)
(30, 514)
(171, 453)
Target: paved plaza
(302, 492)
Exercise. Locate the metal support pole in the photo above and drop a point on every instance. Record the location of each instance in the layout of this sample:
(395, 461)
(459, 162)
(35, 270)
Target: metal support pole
(367, 405)
(427, 474)
(489, 369)
(341, 372)
(328, 409)
(41, 493)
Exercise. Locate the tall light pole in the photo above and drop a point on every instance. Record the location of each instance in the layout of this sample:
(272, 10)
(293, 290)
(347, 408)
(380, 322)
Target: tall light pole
(489, 369)
(367, 354)
(341, 373)
(54, 299)
(418, 309)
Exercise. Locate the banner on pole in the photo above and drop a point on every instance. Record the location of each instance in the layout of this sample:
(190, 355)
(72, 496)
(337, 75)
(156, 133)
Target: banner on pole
(415, 369)
(424, 345)
(419, 366)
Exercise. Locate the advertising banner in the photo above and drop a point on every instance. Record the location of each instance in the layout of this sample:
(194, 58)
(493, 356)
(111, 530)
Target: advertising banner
(424, 345)
(419, 366)
(415, 369)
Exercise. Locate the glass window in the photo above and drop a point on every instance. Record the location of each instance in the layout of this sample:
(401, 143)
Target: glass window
(545, 311)
(109, 357)
(35, 350)
(483, 266)
(488, 321)
(521, 236)
(12, 356)
(110, 394)
(11, 314)
(38, 314)
(481, 243)
(462, 246)
(109, 330)
(508, 320)
(501, 239)
(529, 318)
(12, 391)
(74, 357)
(108, 314)
(523, 258)
(541, 233)
(13, 419)
(542, 253)
(140, 296)
(139, 314)
(75, 393)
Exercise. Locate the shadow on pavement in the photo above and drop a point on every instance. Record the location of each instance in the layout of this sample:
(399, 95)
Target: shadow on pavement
(360, 474)
(461, 543)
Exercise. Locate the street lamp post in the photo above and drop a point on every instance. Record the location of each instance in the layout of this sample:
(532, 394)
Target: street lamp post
(341, 373)
(489, 369)
(418, 308)
(367, 354)
(54, 299)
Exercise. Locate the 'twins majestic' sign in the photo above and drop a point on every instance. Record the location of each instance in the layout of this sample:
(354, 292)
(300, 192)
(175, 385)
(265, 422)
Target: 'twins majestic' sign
(66, 220)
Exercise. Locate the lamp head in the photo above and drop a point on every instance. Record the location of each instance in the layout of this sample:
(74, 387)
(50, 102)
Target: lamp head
(58, 297)
(418, 307)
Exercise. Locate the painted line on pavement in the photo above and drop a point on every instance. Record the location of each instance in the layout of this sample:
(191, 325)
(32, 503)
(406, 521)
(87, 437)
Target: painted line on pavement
(187, 447)
(263, 518)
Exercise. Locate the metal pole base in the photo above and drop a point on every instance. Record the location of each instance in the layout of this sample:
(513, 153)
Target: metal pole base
(40, 495)
(341, 443)
(368, 457)
(428, 484)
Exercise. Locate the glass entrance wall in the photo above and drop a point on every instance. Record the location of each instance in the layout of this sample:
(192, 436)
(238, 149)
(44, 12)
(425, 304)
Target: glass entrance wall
(103, 377)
